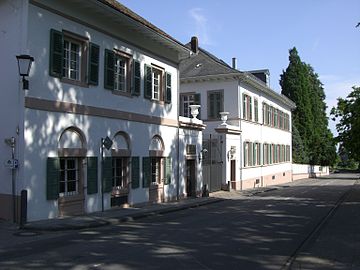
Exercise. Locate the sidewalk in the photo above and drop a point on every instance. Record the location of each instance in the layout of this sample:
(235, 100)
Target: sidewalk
(118, 215)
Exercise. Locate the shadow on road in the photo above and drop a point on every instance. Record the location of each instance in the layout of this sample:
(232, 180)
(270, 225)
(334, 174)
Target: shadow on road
(260, 232)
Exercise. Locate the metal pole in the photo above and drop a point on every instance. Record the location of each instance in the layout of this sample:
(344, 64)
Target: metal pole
(13, 178)
(102, 174)
(210, 153)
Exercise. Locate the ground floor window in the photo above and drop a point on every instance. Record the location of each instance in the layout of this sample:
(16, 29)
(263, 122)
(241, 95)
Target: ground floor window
(120, 168)
(155, 170)
(69, 177)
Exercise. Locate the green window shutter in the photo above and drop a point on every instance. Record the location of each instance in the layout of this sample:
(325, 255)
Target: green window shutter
(168, 88)
(107, 175)
(52, 178)
(136, 78)
(197, 101)
(146, 166)
(56, 53)
(109, 69)
(245, 154)
(211, 107)
(135, 172)
(92, 175)
(250, 108)
(148, 82)
(93, 70)
(168, 170)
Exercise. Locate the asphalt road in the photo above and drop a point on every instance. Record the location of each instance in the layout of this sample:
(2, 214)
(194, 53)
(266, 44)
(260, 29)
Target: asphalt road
(271, 230)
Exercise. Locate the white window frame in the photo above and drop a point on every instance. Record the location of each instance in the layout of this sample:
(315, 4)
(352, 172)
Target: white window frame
(66, 179)
(121, 71)
(155, 164)
(156, 78)
(121, 165)
(186, 101)
(69, 58)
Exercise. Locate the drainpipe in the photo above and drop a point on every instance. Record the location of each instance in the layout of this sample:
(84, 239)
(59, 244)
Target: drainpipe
(178, 142)
(102, 174)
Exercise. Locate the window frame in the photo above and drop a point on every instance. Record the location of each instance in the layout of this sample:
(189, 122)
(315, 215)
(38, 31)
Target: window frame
(83, 42)
(121, 163)
(64, 176)
(155, 170)
(210, 105)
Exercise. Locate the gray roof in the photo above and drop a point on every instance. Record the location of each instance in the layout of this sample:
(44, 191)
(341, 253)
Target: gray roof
(206, 65)
(203, 64)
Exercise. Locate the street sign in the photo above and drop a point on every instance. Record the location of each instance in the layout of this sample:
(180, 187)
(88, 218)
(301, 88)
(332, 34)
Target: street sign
(12, 163)
(107, 142)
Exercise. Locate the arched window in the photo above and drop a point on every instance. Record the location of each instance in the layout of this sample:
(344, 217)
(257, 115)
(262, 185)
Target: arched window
(72, 143)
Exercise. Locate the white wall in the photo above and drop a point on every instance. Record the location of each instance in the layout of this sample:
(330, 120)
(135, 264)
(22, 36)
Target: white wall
(50, 88)
(43, 128)
(230, 97)
(13, 35)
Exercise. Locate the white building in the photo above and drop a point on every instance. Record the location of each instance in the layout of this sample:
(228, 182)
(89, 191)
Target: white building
(253, 147)
(100, 71)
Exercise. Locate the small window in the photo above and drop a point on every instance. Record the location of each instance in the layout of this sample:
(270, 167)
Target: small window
(120, 167)
(69, 177)
(73, 58)
(71, 62)
(215, 104)
(157, 84)
(155, 170)
(256, 110)
(185, 101)
(247, 107)
(117, 72)
(121, 70)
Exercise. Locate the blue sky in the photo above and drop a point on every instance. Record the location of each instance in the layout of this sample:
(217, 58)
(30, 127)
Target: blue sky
(260, 33)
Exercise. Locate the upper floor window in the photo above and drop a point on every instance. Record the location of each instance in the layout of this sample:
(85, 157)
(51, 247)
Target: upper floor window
(247, 107)
(256, 110)
(121, 73)
(157, 84)
(275, 118)
(215, 104)
(73, 58)
(185, 101)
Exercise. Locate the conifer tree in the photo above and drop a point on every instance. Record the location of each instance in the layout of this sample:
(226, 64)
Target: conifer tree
(301, 84)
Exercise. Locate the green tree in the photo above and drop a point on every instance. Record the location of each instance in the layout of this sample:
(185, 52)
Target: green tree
(301, 84)
(347, 112)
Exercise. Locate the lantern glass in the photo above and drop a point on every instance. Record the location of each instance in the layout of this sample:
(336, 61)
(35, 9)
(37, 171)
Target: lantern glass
(24, 64)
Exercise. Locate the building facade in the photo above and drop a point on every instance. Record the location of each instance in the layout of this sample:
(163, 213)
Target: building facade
(248, 133)
(99, 127)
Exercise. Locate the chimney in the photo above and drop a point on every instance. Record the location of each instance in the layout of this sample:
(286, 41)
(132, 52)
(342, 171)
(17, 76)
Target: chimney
(234, 63)
(194, 44)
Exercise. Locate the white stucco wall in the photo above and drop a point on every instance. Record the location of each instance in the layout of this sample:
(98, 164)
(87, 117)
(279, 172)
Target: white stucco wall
(43, 130)
(43, 127)
(250, 131)
(13, 37)
(50, 88)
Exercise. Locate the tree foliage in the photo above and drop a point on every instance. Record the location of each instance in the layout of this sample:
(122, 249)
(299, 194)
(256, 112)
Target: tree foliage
(347, 112)
(312, 140)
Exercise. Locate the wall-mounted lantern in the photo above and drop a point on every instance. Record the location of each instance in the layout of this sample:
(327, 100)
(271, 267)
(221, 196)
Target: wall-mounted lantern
(24, 64)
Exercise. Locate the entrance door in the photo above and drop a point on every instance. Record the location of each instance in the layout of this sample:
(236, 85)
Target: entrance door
(190, 178)
(71, 196)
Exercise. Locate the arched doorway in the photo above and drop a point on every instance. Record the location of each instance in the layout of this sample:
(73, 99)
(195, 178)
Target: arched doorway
(120, 154)
(71, 152)
(156, 164)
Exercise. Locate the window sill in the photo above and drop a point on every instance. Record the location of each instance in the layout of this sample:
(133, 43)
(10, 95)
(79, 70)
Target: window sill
(121, 93)
(74, 82)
